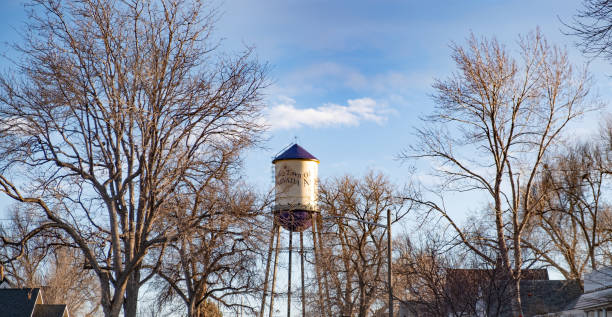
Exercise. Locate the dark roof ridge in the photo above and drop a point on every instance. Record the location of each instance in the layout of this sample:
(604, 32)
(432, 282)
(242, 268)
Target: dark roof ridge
(598, 289)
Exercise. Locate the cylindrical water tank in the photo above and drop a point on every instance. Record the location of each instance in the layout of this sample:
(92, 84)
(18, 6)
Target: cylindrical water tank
(296, 188)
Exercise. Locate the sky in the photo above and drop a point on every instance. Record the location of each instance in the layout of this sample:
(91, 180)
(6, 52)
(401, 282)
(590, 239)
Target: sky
(351, 78)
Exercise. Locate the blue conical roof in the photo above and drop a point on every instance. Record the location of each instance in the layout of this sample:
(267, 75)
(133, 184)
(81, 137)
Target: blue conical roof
(295, 152)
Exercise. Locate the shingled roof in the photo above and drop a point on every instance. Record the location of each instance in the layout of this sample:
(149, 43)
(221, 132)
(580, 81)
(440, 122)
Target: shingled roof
(28, 302)
(478, 274)
(19, 302)
(487, 289)
(46, 310)
(551, 296)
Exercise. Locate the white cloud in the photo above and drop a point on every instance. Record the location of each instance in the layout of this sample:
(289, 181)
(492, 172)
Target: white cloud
(286, 116)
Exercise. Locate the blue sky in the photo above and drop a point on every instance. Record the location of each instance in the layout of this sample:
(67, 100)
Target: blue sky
(351, 78)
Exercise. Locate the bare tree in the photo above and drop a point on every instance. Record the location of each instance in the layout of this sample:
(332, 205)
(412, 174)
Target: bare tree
(67, 283)
(115, 108)
(571, 215)
(23, 265)
(45, 262)
(440, 279)
(496, 119)
(216, 261)
(355, 252)
(593, 26)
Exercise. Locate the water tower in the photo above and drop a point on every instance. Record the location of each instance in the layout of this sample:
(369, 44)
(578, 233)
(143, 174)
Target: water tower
(295, 209)
(295, 185)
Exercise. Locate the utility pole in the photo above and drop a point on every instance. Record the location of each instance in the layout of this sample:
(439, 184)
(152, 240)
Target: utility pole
(389, 287)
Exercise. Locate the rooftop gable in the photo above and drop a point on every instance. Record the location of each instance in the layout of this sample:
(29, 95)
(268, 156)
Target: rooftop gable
(46, 310)
(19, 302)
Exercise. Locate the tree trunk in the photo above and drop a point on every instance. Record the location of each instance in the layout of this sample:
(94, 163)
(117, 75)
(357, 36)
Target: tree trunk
(362, 300)
(111, 305)
(192, 309)
(517, 308)
(131, 295)
(504, 256)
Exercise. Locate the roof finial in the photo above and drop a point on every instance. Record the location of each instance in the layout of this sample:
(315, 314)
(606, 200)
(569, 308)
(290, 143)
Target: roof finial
(295, 139)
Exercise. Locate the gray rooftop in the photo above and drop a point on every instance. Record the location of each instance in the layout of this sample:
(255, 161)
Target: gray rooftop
(18, 302)
(541, 297)
(27, 302)
(46, 310)
(594, 299)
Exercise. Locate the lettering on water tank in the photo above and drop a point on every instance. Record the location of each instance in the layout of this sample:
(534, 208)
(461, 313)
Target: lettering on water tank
(287, 176)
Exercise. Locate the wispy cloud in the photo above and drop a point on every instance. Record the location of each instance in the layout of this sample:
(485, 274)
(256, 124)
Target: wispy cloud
(329, 77)
(285, 115)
